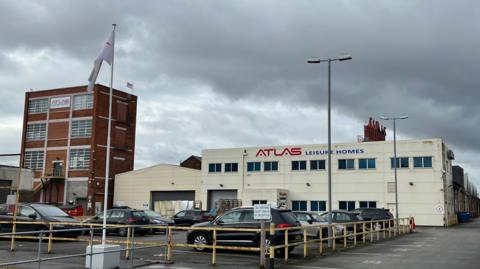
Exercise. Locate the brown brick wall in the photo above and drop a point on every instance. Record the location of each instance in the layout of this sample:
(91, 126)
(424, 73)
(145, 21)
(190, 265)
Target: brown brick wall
(58, 130)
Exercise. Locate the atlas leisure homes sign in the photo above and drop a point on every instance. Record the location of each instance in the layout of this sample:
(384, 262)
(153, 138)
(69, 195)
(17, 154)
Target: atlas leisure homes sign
(296, 151)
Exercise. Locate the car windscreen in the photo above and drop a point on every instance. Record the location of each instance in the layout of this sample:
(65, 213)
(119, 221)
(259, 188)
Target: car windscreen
(288, 217)
(319, 218)
(50, 211)
(152, 213)
(138, 214)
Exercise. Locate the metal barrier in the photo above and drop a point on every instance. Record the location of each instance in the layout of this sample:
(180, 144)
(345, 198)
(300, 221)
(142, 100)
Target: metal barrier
(365, 231)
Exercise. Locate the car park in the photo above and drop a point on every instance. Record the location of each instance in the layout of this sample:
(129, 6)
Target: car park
(371, 214)
(190, 217)
(344, 220)
(156, 218)
(122, 216)
(312, 220)
(38, 217)
(243, 217)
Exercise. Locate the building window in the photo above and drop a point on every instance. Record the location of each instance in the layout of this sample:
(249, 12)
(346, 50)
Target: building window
(318, 205)
(214, 167)
(36, 131)
(33, 160)
(84, 101)
(402, 162)
(299, 165)
(253, 166)
(259, 202)
(346, 205)
(344, 164)
(368, 204)
(366, 163)
(79, 158)
(422, 162)
(299, 205)
(81, 128)
(317, 165)
(270, 166)
(37, 106)
(231, 167)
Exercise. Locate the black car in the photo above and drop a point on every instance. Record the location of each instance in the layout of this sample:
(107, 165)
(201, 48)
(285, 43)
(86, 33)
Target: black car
(339, 217)
(40, 215)
(243, 218)
(123, 216)
(368, 214)
(190, 217)
(156, 219)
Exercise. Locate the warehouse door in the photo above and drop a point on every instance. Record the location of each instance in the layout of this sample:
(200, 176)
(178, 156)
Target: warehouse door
(168, 203)
(215, 195)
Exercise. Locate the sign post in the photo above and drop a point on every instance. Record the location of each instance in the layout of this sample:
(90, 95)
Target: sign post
(262, 213)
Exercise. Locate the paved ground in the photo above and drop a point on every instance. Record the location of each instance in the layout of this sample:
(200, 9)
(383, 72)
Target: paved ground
(457, 247)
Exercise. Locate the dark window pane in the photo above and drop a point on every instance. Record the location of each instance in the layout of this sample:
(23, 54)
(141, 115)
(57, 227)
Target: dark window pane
(211, 167)
(322, 206)
(362, 163)
(267, 166)
(342, 205)
(342, 164)
(351, 164)
(371, 163)
(257, 166)
(314, 205)
(303, 165)
(417, 162)
(274, 166)
(363, 204)
(404, 162)
(234, 167)
(351, 205)
(427, 161)
(303, 205)
(321, 164)
(250, 167)
(313, 165)
(295, 165)
(372, 204)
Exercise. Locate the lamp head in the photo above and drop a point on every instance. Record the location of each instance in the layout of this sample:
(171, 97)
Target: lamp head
(345, 57)
(313, 60)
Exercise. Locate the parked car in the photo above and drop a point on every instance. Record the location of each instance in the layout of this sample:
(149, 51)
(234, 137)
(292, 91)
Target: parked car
(340, 216)
(312, 220)
(368, 214)
(156, 219)
(125, 216)
(40, 215)
(72, 210)
(190, 217)
(242, 217)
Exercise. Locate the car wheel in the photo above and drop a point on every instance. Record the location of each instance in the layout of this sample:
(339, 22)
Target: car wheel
(122, 232)
(200, 240)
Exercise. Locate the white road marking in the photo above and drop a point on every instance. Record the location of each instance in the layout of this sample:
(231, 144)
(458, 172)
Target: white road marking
(312, 267)
(166, 266)
(371, 254)
(372, 262)
(406, 246)
(400, 249)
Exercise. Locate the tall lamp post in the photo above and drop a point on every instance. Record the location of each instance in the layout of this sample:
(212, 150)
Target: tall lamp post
(396, 163)
(315, 60)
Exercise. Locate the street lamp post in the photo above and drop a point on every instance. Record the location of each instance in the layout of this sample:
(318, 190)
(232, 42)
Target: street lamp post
(315, 60)
(395, 162)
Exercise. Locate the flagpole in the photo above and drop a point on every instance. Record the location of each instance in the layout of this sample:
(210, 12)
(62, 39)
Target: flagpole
(109, 128)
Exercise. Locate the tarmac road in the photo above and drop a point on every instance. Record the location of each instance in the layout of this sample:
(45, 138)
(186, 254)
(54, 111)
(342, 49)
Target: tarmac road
(457, 247)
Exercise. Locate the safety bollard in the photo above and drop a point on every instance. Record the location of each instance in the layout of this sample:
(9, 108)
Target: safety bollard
(50, 235)
(127, 252)
(378, 231)
(286, 245)
(272, 250)
(371, 231)
(383, 230)
(355, 234)
(133, 246)
(363, 232)
(334, 235)
(321, 240)
(345, 237)
(169, 245)
(214, 247)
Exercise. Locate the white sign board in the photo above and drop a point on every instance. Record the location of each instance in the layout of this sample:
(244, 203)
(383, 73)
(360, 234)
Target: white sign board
(262, 212)
(60, 102)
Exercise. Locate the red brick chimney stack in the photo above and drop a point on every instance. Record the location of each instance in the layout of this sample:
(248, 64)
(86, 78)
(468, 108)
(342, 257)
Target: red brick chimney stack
(373, 131)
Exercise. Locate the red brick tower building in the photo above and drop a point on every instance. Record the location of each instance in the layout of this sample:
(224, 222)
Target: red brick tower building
(64, 141)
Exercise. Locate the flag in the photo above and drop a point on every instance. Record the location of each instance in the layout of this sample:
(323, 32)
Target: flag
(130, 85)
(105, 55)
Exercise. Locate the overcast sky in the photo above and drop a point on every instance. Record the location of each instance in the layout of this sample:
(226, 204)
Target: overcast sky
(213, 74)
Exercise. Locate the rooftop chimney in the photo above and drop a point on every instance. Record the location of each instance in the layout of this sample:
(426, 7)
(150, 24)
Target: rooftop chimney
(373, 131)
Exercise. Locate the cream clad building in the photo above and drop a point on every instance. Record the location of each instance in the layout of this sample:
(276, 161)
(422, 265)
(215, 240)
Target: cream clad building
(296, 176)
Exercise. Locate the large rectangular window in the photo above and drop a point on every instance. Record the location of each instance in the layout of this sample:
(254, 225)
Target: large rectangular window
(422, 162)
(79, 158)
(318, 205)
(214, 167)
(344, 164)
(299, 165)
(270, 166)
(36, 131)
(402, 162)
(81, 128)
(84, 101)
(231, 167)
(38, 106)
(346, 205)
(366, 163)
(33, 160)
(317, 165)
(299, 205)
(368, 204)
(253, 166)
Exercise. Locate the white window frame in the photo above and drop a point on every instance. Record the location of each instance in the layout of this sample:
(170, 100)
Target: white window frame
(36, 106)
(83, 159)
(33, 159)
(36, 131)
(83, 101)
(81, 128)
